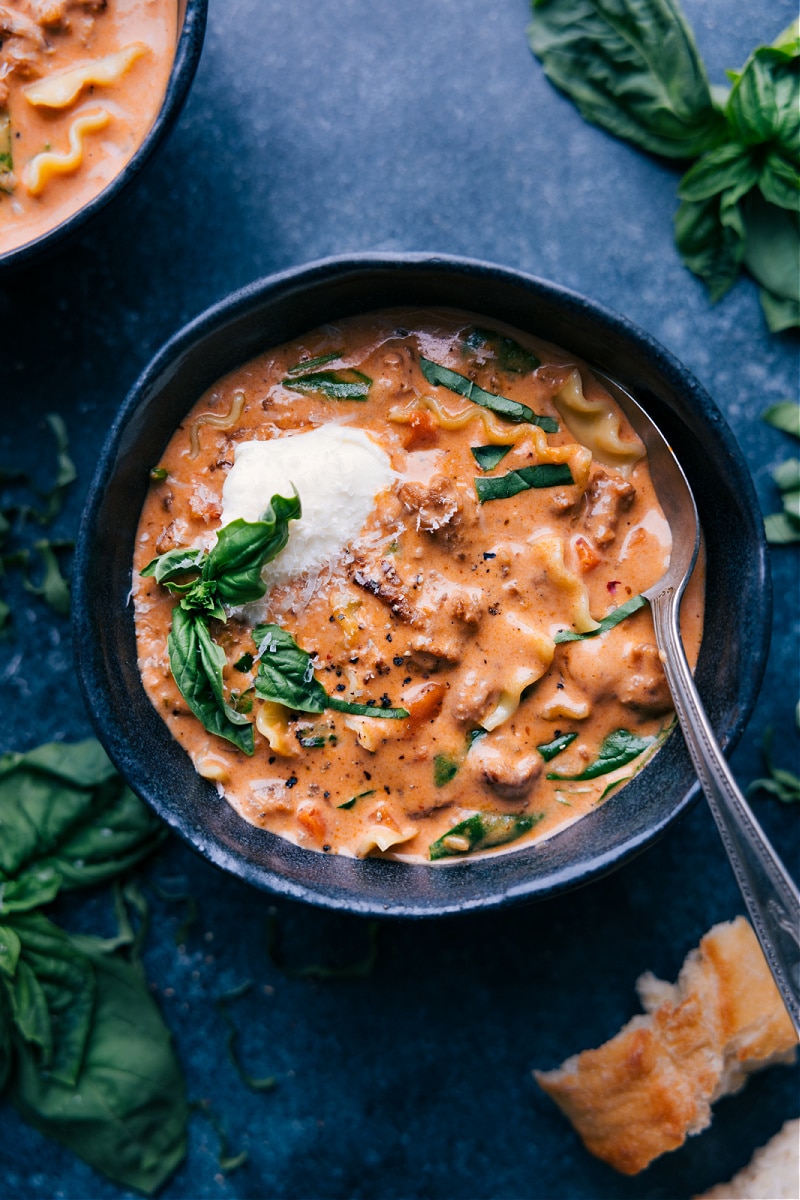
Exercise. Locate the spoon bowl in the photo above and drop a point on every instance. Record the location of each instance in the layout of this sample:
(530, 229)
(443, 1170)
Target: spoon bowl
(772, 899)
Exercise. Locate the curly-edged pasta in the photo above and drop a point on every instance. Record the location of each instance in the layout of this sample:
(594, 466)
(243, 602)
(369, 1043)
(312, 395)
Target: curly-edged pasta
(52, 163)
(596, 424)
(63, 88)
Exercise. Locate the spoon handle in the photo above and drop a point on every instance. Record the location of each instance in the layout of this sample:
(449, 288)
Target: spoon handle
(772, 899)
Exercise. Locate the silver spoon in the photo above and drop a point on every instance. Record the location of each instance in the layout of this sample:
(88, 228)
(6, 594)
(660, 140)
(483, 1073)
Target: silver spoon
(771, 897)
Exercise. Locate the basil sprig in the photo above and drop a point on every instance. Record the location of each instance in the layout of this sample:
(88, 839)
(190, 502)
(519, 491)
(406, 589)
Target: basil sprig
(286, 676)
(84, 1052)
(784, 527)
(502, 487)
(608, 622)
(510, 410)
(205, 581)
(632, 67)
(617, 750)
(481, 832)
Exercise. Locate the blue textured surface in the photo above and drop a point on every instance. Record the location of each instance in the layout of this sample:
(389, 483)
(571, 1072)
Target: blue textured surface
(313, 129)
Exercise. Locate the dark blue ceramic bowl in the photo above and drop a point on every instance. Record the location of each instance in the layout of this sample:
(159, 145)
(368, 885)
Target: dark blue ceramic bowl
(282, 307)
(192, 26)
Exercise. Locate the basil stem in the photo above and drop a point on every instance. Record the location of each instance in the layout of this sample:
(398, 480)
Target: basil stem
(334, 385)
(503, 487)
(549, 750)
(481, 832)
(608, 622)
(488, 457)
(286, 676)
(617, 750)
(511, 410)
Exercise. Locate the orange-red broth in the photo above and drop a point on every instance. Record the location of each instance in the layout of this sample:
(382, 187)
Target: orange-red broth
(432, 605)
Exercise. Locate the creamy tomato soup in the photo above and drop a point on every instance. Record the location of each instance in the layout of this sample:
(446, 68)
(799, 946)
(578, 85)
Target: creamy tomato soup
(388, 583)
(81, 82)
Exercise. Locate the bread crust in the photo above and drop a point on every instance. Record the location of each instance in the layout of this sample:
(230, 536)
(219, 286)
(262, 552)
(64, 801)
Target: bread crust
(644, 1091)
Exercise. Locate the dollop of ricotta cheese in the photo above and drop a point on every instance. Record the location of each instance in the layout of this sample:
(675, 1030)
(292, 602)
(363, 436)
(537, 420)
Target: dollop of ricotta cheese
(338, 472)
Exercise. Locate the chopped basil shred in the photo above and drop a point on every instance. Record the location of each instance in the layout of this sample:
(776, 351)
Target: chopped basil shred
(488, 457)
(510, 410)
(503, 487)
(617, 750)
(482, 832)
(608, 622)
(347, 384)
(509, 354)
(359, 796)
(445, 768)
(311, 364)
(549, 750)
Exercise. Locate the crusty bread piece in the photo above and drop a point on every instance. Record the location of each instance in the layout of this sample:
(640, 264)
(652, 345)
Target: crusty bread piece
(773, 1171)
(644, 1091)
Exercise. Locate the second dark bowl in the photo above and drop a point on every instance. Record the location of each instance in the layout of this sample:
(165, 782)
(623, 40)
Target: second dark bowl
(268, 313)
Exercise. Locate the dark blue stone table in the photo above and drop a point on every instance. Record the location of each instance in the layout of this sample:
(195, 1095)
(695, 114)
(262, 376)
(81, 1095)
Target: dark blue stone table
(318, 128)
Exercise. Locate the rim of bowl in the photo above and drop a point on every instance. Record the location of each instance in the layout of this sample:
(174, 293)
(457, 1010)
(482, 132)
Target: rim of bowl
(381, 887)
(184, 65)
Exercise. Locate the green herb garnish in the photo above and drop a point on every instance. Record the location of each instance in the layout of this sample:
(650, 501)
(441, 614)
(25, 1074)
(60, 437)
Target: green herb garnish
(158, 474)
(6, 153)
(311, 364)
(205, 581)
(608, 622)
(784, 527)
(488, 457)
(503, 487)
(617, 750)
(334, 385)
(549, 750)
(84, 1052)
(481, 832)
(360, 796)
(510, 410)
(632, 67)
(509, 354)
(286, 676)
(445, 768)
(784, 785)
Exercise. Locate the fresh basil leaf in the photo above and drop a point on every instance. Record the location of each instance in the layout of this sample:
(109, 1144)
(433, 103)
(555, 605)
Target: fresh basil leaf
(772, 248)
(169, 569)
(197, 671)
(549, 750)
(29, 1010)
(787, 475)
(445, 768)
(780, 313)
(481, 832)
(334, 385)
(509, 354)
(488, 457)
(31, 889)
(65, 815)
(285, 672)
(632, 68)
(608, 622)
(779, 782)
(502, 487)
(510, 410)
(245, 663)
(779, 182)
(617, 750)
(9, 951)
(64, 985)
(784, 416)
(126, 1115)
(731, 168)
(243, 547)
(710, 237)
(764, 104)
(286, 676)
